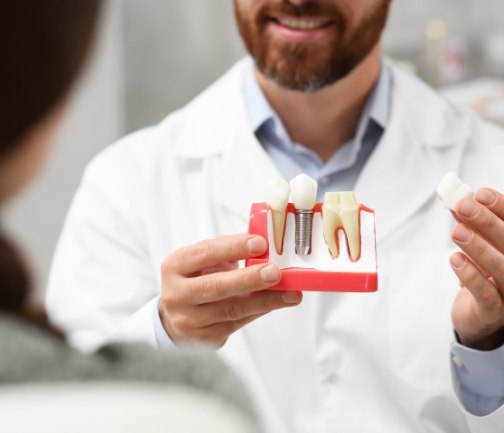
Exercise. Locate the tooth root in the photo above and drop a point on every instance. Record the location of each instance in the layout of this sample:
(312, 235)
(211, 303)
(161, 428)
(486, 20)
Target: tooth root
(330, 223)
(341, 211)
(350, 219)
(278, 218)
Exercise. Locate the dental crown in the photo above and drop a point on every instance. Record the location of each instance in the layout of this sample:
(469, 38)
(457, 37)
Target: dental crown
(451, 190)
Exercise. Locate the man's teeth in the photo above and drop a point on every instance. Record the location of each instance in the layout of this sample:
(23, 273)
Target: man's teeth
(451, 190)
(277, 196)
(301, 24)
(341, 211)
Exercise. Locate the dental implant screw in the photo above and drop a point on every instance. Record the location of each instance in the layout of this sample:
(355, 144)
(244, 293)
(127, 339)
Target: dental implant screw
(304, 194)
(303, 237)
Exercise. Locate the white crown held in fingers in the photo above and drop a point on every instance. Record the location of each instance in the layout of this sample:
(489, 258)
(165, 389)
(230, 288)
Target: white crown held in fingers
(451, 190)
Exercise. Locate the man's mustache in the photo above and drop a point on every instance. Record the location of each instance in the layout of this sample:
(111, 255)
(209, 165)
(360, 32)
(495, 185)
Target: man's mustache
(307, 10)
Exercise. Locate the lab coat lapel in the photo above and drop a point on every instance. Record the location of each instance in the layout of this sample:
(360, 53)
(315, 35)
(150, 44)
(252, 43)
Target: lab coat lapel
(237, 167)
(423, 141)
(245, 169)
(416, 150)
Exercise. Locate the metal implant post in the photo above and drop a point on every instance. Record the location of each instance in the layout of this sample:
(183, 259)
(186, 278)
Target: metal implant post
(303, 238)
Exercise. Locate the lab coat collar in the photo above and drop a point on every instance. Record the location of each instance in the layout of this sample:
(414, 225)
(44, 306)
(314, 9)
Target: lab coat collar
(214, 110)
(424, 139)
(211, 114)
(222, 130)
(245, 169)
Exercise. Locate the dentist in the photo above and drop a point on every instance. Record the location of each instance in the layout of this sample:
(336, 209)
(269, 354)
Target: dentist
(150, 245)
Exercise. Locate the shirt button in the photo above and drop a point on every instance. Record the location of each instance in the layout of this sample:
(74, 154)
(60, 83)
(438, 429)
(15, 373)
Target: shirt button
(324, 180)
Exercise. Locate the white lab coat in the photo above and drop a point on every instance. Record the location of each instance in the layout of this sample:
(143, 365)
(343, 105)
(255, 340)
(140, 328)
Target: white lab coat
(339, 362)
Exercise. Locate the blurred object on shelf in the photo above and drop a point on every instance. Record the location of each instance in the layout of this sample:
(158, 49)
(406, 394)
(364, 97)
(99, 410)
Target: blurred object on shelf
(408, 66)
(485, 96)
(436, 34)
(492, 47)
(454, 65)
(444, 55)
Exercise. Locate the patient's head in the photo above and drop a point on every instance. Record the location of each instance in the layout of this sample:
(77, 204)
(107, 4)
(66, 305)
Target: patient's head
(43, 44)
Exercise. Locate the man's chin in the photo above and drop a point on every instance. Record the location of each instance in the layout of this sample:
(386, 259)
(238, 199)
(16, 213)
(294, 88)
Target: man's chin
(292, 76)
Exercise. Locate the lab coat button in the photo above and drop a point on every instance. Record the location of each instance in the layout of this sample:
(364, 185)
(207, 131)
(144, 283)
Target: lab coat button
(457, 361)
(324, 180)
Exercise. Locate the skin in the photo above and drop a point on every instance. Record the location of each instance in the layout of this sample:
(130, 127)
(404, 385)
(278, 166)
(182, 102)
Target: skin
(204, 297)
(478, 311)
(20, 165)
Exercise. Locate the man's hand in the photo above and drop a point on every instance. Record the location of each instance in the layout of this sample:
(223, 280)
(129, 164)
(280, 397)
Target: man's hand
(205, 298)
(478, 312)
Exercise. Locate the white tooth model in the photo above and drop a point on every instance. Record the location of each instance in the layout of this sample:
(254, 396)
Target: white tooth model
(341, 211)
(277, 193)
(329, 246)
(451, 190)
(304, 196)
(303, 191)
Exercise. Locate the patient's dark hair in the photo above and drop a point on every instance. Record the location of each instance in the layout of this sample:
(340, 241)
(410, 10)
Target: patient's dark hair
(42, 48)
(43, 44)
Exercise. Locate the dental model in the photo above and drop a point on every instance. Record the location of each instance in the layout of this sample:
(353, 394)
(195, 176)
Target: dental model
(304, 195)
(277, 196)
(329, 246)
(451, 190)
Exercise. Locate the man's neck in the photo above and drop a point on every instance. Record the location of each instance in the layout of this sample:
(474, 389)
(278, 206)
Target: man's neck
(324, 120)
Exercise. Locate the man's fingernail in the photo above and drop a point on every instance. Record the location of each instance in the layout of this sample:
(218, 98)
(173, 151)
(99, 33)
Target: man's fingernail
(462, 233)
(257, 245)
(457, 260)
(291, 297)
(468, 209)
(486, 197)
(270, 273)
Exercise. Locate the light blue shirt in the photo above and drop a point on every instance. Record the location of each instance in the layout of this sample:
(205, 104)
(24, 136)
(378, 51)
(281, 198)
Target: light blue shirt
(479, 376)
(340, 173)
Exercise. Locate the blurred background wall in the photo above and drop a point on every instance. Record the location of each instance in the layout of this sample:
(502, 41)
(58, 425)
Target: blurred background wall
(153, 56)
(174, 48)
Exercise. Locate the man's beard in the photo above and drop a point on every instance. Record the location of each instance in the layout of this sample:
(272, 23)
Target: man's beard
(309, 67)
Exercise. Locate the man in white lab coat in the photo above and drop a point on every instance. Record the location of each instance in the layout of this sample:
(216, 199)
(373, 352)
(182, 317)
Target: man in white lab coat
(143, 256)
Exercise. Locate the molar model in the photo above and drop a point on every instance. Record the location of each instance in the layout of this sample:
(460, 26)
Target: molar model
(328, 246)
(451, 190)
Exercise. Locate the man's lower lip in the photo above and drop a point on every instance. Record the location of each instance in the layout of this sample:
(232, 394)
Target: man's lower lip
(298, 35)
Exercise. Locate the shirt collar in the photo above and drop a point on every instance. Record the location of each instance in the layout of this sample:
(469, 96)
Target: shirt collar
(258, 108)
(260, 111)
